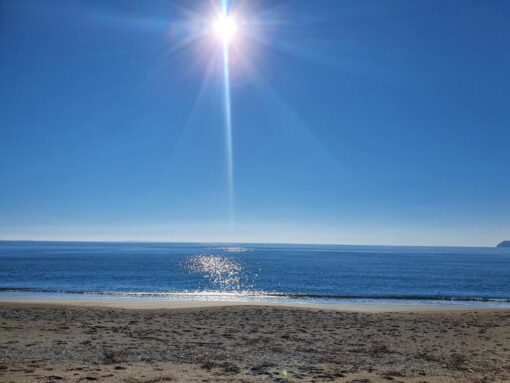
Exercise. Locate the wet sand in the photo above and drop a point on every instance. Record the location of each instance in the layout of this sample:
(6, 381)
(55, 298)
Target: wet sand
(250, 343)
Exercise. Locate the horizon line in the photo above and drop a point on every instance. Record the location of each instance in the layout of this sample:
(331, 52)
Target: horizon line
(233, 243)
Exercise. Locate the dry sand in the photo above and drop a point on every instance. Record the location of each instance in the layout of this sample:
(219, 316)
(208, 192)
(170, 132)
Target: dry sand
(249, 343)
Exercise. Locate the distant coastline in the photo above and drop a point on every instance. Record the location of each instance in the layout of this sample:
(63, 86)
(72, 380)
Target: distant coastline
(504, 244)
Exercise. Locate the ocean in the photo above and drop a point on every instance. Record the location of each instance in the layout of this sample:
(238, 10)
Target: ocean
(478, 277)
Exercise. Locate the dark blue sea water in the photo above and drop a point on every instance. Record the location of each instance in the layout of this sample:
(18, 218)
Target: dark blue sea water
(326, 274)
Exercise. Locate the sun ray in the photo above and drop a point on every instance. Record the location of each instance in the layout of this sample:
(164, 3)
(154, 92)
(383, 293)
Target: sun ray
(225, 27)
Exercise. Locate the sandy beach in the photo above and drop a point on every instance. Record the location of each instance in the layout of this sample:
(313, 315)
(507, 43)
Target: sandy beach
(119, 341)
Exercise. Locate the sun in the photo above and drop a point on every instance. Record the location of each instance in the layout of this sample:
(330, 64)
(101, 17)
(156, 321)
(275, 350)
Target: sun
(225, 28)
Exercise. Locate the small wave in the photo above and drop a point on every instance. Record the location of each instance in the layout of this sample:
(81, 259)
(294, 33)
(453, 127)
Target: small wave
(392, 297)
(256, 294)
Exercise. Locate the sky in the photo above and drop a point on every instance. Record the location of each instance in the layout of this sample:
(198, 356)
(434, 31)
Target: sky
(353, 122)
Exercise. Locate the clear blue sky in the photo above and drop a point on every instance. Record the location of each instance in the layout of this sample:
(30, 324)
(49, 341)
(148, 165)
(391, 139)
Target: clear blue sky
(359, 122)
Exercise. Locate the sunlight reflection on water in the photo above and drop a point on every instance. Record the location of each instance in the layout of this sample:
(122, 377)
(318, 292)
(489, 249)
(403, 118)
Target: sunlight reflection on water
(224, 272)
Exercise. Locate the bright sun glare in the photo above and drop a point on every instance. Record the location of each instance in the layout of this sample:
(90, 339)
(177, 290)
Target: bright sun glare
(225, 27)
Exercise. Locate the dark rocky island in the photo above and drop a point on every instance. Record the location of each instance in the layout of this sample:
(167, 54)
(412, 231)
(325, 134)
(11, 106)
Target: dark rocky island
(504, 244)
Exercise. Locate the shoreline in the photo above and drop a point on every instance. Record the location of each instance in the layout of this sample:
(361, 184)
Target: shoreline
(155, 304)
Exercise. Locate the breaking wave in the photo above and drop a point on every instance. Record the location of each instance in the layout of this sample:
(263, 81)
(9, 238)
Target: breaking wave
(254, 294)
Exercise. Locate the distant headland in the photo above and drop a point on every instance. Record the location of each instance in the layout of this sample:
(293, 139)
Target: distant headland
(504, 244)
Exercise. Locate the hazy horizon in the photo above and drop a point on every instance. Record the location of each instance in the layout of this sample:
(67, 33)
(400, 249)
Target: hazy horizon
(245, 240)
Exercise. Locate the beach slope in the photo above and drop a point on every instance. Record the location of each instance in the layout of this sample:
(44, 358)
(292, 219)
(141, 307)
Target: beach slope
(49, 343)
